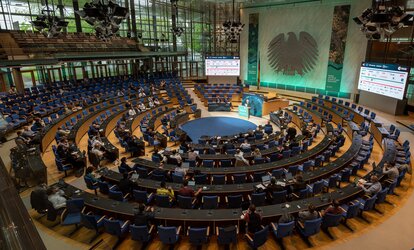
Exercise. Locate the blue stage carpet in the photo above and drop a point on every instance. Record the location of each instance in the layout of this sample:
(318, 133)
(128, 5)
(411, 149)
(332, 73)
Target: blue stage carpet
(216, 126)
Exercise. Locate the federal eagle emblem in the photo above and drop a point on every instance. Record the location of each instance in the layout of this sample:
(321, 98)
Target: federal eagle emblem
(293, 56)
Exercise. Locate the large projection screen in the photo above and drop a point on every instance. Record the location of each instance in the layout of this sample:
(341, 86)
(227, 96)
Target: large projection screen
(222, 66)
(383, 79)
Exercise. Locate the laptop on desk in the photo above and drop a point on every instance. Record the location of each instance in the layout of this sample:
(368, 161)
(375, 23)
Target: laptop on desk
(191, 184)
(134, 177)
(288, 177)
(266, 180)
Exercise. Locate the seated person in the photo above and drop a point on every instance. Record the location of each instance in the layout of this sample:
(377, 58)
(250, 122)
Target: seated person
(334, 208)
(192, 155)
(38, 124)
(309, 214)
(142, 107)
(253, 220)
(162, 190)
(245, 145)
(240, 160)
(142, 217)
(56, 197)
(188, 191)
(391, 171)
(286, 218)
(298, 184)
(164, 120)
(125, 185)
(125, 166)
(313, 129)
(96, 150)
(62, 132)
(371, 188)
(94, 128)
(156, 101)
(27, 133)
(134, 144)
(131, 112)
(175, 155)
(21, 141)
(256, 153)
(273, 187)
(89, 173)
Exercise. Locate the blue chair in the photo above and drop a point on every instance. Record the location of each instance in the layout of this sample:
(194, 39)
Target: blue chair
(93, 222)
(257, 176)
(282, 230)
(162, 200)
(227, 235)
(278, 173)
(309, 228)
(366, 205)
(200, 179)
(234, 201)
(258, 199)
(169, 235)
(239, 178)
(219, 180)
(185, 202)
(176, 178)
(279, 197)
(142, 196)
(350, 211)
(117, 228)
(104, 187)
(90, 184)
(208, 163)
(198, 236)
(210, 202)
(330, 220)
(72, 214)
(259, 238)
(226, 163)
(63, 167)
(141, 234)
(117, 195)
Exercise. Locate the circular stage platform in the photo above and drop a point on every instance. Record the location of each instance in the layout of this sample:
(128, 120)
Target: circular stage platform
(216, 126)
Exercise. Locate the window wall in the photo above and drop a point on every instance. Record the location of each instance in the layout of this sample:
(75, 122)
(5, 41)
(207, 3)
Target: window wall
(201, 21)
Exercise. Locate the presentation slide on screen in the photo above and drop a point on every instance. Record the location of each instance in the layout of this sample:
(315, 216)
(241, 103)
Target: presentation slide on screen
(383, 79)
(254, 102)
(222, 66)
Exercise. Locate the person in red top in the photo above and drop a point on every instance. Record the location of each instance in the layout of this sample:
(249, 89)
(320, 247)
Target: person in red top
(253, 219)
(187, 191)
(334, 208)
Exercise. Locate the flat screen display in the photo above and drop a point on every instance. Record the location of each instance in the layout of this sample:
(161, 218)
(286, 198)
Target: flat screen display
(222, 66)
(383, 79)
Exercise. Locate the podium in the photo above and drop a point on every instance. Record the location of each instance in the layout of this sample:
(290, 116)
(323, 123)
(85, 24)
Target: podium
(244, 111)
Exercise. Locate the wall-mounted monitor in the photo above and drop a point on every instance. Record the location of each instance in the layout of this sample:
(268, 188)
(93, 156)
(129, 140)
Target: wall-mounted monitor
(222, 66)
(383, 79)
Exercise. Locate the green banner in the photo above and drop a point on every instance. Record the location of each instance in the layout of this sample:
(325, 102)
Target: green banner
(244, 111)
(337, 47)
(253, 48)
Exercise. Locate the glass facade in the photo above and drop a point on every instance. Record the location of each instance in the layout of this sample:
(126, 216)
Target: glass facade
(153, 19)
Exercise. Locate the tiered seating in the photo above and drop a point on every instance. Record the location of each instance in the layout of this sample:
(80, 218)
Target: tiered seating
(208, 93)
(326, 179)
(176, 90)
(69, 43)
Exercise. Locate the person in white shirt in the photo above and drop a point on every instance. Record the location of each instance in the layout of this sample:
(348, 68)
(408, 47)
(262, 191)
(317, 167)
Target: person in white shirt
(240, 160)
(142, 106)
(142, 94)
(131, 112)
(245, 145)
(55, 196)
(177, 156)
(96, 141)
(156, 101)
(120, 93)
(151, 104)
(96, 151)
